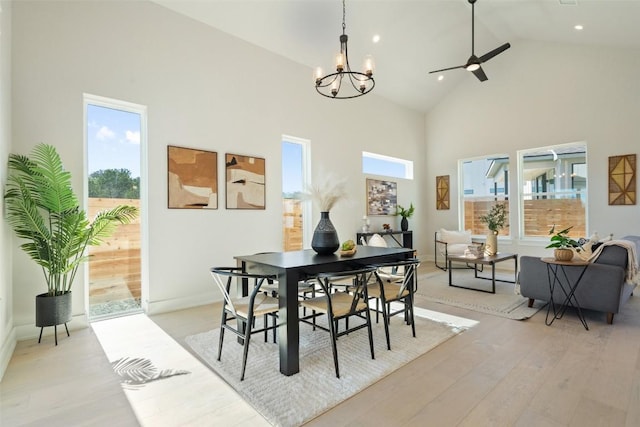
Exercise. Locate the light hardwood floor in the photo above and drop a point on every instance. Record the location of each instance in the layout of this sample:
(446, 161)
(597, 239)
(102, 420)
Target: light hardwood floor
(499, 373)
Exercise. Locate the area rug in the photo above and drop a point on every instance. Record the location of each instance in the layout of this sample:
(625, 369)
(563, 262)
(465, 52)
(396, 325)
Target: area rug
(434, 286)
(294, 400)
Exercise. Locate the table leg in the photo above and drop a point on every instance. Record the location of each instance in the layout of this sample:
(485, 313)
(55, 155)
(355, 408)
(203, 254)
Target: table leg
(493, 277)
(570, 296)
(289, 333)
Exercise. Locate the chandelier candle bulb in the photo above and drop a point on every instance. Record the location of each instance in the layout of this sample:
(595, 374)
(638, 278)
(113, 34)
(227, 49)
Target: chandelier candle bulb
(317, 75)
(368, 65)
(339, 62)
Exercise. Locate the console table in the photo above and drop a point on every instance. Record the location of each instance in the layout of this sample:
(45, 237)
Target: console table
(406, 236)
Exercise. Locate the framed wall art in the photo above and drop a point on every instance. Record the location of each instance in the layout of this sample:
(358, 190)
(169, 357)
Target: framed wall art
(622, 180)
(382, 197)
(245, 177)
(442, 192)
(193, 178)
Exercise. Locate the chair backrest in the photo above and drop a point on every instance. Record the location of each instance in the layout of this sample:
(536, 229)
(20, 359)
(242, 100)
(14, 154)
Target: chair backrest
(405, 270)
(223, 277)
(358, 288)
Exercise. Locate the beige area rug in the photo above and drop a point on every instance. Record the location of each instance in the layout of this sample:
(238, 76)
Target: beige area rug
(434, 286)
(294, 400)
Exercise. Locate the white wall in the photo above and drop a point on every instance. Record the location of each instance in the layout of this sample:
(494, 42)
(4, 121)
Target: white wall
(7, 335)
(541, 94)
(204, 89)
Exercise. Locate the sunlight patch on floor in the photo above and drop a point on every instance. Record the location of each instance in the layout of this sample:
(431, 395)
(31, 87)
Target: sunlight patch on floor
(198, 398)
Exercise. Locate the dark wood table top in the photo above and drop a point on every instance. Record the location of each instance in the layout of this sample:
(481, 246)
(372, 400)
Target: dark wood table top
(309, 258)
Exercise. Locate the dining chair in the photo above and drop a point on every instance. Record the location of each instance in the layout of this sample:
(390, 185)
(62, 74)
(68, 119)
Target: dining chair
(395, 282)
(306, 288)
(341, 303)
(244, 309)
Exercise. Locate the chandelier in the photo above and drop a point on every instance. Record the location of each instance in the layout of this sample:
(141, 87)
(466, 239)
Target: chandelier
(355, 83)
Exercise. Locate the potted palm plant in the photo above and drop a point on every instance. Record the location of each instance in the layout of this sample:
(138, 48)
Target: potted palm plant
(42, 209)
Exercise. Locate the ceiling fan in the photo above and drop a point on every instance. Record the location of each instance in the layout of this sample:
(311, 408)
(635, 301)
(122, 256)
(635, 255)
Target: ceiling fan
(474, 63)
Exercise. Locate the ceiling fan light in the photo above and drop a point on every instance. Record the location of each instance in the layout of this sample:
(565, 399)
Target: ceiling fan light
(472, 67)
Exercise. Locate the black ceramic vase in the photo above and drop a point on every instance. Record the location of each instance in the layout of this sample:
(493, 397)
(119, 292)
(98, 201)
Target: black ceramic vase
(325, 238)
(404, 224)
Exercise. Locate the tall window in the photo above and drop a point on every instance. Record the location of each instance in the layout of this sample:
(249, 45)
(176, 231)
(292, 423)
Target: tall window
(378, 164)
(485, 182)
(114, 131)
(553, 189)
(296, 212)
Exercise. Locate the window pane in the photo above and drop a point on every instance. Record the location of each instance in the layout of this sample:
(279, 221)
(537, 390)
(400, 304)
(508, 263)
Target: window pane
(554, 184)
(485, 183)
(378, 164)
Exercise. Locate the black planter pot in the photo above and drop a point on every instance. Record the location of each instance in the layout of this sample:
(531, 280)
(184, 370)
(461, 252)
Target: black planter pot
(404, 224)
(53, 311)
(325, 238)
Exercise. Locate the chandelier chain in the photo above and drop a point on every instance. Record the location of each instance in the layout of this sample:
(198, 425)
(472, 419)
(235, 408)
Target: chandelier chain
(344, 14)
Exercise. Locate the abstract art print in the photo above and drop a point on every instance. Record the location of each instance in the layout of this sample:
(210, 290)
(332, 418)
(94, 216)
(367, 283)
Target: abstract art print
(382, 197)
(442, 192)
(622, 180)
(193, 178)
(245, 182)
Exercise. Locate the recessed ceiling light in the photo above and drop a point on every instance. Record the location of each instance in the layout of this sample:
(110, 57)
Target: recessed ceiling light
(376, 38)
(440, 78)
(578, 27)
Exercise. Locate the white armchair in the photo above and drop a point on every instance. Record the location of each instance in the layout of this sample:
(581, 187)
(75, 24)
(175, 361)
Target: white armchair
(450, 242)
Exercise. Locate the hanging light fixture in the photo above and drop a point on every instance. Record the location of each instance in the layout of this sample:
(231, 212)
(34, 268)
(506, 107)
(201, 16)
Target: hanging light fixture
(355, 83)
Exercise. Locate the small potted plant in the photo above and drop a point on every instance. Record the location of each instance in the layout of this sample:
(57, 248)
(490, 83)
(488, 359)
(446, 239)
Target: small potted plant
(496, 220)
(563, 244)
(405, 214)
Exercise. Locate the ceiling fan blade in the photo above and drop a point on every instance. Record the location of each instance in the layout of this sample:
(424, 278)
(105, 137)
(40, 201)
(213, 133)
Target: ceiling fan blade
(446, 69)
(479, 73)
(494, 52)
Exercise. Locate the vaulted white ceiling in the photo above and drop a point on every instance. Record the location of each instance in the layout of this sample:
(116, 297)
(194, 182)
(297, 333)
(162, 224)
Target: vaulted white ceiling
(416, 36)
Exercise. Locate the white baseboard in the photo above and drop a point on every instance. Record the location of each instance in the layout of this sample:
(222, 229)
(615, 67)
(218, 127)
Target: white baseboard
(6, 351)
(165, 306)
(30, 331)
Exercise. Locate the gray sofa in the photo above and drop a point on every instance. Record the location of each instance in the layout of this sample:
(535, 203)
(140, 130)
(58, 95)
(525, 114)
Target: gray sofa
(602, 288)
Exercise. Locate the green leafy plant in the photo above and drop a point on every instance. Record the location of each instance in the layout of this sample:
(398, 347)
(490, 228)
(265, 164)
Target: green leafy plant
(405, 213)
(43, 209)
(496, 218)
(561, 240)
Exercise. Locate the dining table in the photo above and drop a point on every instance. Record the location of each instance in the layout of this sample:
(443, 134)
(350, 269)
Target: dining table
(295, 266)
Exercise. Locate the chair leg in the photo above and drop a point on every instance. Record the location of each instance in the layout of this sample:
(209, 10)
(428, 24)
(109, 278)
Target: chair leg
(275, 322)
(245, 351)
(370, 333)
(411, 318)
(223, 322)
(332, 331)
(386, 320)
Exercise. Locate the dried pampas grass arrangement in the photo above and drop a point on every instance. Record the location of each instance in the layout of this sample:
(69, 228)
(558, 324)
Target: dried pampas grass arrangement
(327, 192)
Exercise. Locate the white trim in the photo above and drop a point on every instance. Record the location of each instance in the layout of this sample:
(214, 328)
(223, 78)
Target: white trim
(6, 351)
(141, 110)
(181, 303)
(29, 331)
(307, 229)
